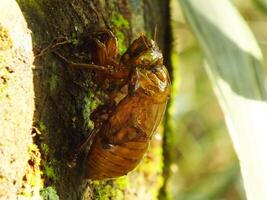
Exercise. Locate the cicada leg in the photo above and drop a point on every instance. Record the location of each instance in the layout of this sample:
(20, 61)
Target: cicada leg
(103, 47)
(99, 116)
(108, 70)
(73, 158)
(53, 46)
(82, 65)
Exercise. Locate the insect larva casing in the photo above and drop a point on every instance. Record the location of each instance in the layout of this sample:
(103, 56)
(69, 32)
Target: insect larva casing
(112, 161)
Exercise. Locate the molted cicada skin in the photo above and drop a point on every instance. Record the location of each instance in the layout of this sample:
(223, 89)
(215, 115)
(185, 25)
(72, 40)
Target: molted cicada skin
(138, 87)
(124, 136)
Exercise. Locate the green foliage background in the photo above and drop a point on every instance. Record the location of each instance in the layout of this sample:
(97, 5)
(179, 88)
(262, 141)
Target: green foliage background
(203, 164)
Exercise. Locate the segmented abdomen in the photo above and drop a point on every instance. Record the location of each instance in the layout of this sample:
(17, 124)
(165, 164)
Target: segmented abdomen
(112, 161)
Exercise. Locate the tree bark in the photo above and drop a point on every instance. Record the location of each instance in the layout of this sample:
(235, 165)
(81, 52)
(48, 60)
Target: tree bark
(16, 98)
(64, 98)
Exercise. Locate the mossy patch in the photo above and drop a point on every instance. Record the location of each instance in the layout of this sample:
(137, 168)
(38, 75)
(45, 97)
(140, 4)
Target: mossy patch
(91, 102)
(49, 193)
(110, 190)
(50, 171)
(170, 129)
(53, 83)
(121, 41)
(119, 23)
(42, 126)
(48, 165)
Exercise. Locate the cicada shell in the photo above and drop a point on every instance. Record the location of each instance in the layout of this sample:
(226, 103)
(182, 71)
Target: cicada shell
(124, 136)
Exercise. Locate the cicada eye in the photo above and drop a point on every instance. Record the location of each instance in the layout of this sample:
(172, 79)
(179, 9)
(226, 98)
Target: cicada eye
(149, 58)
(145, 58)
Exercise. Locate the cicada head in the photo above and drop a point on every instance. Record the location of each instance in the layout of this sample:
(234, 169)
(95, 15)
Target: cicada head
(142, 53)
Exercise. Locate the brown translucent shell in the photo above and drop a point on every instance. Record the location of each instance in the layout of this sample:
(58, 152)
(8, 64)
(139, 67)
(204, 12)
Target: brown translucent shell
(138, 86)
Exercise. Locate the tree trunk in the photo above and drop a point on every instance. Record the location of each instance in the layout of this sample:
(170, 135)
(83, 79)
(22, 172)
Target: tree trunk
(16, 98)
(64, 97)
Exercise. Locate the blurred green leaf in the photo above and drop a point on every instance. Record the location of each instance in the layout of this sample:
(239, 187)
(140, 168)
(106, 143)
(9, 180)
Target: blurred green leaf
(228, 44)
(234, 66)
(262, 4)
(212, 186)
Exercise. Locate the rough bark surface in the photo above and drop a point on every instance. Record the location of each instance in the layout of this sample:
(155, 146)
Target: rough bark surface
(16, 98)
(64, 98)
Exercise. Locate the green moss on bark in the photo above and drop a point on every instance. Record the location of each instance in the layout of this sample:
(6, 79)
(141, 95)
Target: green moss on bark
(110, 190)
(49, 193)
(119, 22)
(48, 163)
